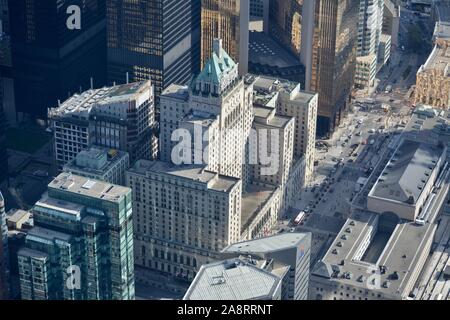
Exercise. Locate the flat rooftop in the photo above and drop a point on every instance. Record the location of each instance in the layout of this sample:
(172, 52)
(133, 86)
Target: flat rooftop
(88, 187)
(429, 124)
(80, 105)
(92, 157)
(203, 119)
(176, 91)
(71, 210)
(47, 234)
(439, 59)
(32, 254)
(266, 119)
(273, 243)
(407, 172)
(400, 254)
(253, 200)
(232, 280)
(195, 173)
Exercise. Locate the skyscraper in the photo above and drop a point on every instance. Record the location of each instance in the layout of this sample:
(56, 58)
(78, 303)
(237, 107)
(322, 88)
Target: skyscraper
(334, 59)
(81, 245)
(152, 39)
(50, 60)
(370, 26)
(228, 20)
(4, 278)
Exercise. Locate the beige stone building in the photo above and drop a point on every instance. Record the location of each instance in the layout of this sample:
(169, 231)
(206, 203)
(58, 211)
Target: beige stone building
(433, 78)
(184, 214)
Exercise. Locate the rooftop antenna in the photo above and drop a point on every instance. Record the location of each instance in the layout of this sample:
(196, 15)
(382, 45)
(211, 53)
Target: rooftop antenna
(92, 83)
(128, 78)
(59, 103)
(114, 84)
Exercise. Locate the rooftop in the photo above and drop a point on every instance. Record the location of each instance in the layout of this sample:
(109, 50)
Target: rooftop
(266, 116)
(400, 256)
(253, 200)
(71, 210)
(273, 243)
(88, 187)
(47, 234)
(176, 91)
(25, 252)
(232, 279)
(95, 160)
(266, 90)
(195, 173)
(429, 124)
(407, 172)
(80, 105)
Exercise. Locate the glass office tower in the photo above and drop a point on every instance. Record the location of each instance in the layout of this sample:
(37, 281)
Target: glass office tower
(152, 39)
(229, 21)
(50, 60)
(81, 245)
(334, 59)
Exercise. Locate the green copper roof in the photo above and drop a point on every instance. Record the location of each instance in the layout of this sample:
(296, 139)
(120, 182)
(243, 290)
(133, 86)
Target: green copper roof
(216, 67)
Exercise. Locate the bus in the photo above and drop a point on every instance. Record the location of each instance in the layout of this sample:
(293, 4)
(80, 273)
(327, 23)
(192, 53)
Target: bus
(300, 218)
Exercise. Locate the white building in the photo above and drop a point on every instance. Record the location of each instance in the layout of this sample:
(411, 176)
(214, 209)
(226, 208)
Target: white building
(288, 100)
(217, 91)
(370, 29)
(270, 268)
(120, 117)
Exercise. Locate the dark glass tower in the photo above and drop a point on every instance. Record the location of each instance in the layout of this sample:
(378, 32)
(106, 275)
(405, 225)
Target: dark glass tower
(51, 61)
(334, 59)
(153, 39)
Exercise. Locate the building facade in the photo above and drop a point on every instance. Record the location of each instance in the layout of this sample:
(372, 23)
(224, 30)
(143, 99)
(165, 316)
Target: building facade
(120, 117)
(152, 40)
(50, 60)
(334, 60)
(433, 77)
(366, 70)
(216, 93)
(184, 215)
(81, 245)
(228, 20)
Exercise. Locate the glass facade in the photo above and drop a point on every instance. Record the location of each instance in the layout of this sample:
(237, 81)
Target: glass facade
(228, 20)
(334, 59)
(285, 19)
(98, 241)
(51, 61)
(152, 39)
